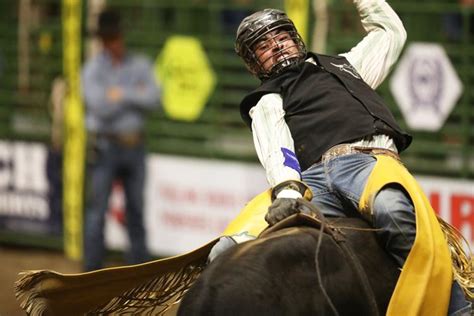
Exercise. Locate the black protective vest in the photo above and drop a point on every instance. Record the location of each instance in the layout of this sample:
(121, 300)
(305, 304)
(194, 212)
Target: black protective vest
(326, 105)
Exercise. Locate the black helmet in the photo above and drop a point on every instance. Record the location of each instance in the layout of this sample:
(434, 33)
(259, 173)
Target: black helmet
(261, 26)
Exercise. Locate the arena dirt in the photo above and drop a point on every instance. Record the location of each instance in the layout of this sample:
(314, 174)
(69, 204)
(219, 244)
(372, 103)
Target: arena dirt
(14, 260)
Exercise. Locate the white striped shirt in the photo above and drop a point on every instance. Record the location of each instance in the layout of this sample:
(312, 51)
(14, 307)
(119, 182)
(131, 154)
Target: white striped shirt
(372, 58)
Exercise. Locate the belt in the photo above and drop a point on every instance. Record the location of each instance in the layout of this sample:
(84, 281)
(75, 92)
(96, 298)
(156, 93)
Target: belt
(346, 149)
(127, 139)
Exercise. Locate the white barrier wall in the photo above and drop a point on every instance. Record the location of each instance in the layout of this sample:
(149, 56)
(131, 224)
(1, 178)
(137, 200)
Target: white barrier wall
(190, 201)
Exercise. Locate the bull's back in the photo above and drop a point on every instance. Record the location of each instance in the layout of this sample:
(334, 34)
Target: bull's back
(277, 275)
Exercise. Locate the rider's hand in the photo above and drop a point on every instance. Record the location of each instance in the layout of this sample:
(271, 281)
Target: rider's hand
(285, 198)
(281, 208)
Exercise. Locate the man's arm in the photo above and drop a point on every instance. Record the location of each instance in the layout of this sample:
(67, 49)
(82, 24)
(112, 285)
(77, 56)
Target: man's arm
(273, 141)
(106, 101)
(379, 49)
(99, 97)
(144, 92)
(275, 149)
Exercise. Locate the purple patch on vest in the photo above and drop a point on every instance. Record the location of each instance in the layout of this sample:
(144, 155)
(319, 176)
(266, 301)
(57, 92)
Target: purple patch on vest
(290, 160)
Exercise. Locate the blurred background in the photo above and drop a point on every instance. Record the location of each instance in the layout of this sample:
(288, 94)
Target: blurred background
(202, 164)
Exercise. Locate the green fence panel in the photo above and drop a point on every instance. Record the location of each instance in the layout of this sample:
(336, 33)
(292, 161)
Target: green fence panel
(219, 131)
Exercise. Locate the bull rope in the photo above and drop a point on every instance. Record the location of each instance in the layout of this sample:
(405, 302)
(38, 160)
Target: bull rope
(339, 239)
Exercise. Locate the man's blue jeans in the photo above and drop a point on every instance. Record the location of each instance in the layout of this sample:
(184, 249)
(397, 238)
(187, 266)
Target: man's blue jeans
(337, 186)
(114, 161)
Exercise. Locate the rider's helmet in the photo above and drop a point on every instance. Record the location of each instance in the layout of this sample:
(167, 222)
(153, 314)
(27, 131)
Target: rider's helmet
(278, 52)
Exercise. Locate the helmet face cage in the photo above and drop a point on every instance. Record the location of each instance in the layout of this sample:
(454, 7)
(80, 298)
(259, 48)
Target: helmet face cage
(271, 33)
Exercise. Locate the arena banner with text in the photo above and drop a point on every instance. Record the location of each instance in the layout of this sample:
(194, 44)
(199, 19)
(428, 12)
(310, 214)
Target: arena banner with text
(190, 201)
(29, 189)
(452, 200)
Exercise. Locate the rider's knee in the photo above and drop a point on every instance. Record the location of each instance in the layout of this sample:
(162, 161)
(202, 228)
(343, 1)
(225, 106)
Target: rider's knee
(393, 203)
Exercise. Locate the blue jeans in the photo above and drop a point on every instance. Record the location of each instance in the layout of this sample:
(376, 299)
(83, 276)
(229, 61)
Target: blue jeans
(337, 186)
(114, 161)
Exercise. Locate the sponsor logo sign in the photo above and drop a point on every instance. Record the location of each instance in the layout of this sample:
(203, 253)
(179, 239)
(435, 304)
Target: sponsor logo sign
(425, 86)
(24, 203)
(188, 202)
(187, 77)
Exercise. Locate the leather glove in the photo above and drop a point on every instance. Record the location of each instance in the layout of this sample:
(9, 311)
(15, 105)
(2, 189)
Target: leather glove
(286, 198)
(280, 209)
(285, 207)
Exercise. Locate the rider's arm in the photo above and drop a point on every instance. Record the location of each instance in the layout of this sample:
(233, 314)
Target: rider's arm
(379, 49)
(273, 141)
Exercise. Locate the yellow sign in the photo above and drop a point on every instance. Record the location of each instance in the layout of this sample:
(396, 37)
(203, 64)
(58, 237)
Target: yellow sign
(73, 164)
(186, 77)
(298, 12)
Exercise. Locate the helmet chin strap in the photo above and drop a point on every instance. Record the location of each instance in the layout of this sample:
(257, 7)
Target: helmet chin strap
(286, 62)
(280, 66)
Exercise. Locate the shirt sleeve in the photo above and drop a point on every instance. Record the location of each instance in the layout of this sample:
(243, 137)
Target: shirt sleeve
(94, 87)
(379, 49)
(273, 141)
(145, 91)
(140, 91)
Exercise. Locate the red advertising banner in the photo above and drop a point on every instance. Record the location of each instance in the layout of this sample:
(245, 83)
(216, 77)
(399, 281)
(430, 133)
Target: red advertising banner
(452, 200)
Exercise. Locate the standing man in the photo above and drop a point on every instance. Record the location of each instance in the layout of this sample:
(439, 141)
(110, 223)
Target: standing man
(318, 125)
(119, 89)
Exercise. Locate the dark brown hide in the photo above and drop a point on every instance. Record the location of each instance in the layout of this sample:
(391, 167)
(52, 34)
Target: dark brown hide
(277, 275)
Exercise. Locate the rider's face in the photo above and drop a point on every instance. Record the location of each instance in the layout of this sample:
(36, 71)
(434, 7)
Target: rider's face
(275, 47)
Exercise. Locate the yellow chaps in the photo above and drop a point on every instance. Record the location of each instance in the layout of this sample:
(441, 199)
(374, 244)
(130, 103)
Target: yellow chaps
(424, 285)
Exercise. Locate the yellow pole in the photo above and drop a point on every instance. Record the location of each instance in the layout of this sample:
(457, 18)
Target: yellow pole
(74, 143)
(298, 12)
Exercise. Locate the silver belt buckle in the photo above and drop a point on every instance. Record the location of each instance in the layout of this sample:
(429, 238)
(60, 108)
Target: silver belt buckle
(335, 151)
